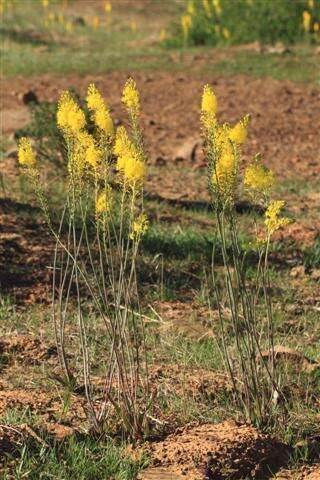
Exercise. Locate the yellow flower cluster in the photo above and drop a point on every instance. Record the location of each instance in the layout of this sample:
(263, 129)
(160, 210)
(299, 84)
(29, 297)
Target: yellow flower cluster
(70, 117)
(139, 226)
(104, 201)
(85, 152)
(224, 175)
(259, 178)
(26, 154)
(239, 132)
(130, 97)
(273, 221)
(209, 107)
(130, 162)
(225, 168)
(306, 20)
(100, 112)
(186, 23)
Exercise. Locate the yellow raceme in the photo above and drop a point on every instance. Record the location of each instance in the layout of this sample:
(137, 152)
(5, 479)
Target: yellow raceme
(209, 107)
(130, 96)
(139, 226)
(259, 178)
(26, 155)
(239, 132)
(130, 163)
(70, 117)
(273, 221)
(104, 201)
(100, 112)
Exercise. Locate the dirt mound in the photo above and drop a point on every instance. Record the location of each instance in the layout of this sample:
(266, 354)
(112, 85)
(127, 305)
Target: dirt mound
(24, 349)
(212, 451)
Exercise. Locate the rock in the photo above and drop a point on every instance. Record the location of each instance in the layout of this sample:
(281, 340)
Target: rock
(30, 97)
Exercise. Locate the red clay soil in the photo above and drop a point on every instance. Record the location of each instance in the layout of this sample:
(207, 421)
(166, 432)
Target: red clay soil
(25, 254)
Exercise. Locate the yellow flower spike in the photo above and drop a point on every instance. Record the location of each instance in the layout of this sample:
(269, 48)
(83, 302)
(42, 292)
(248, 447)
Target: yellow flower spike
(206, 7)
(273, 221)
(26, 155)
(104, 121)
(209, 101)
(130, 162)
(104, 201)
(224, 175)
(134, 170)
(208, 107)
(95, 22)
(306, 21)
(186, 23)
(226, 33)
(139, 226)
(239, 132)
(107, 7)
(133, 26)
(190, 9)
(70, 117)
(130, 96)
(217, 6)
(93, 156)
(101, 114)
(123, 145)
(94, 97)
(259, 178)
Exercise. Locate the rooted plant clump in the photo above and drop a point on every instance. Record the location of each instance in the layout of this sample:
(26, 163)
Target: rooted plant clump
(97, 245)
(255, 381)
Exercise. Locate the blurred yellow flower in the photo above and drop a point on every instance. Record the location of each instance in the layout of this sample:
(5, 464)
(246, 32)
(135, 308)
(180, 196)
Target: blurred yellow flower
(95, 22)
(107, 7)
(186, 23)
(226, 33)
(190, 8)
(316, 27)
(217, 6)
(273, 221)
(26, 155)
(162, 35)
(133, 26)
(130, 96)
(306, 20)
(206, 7)
(311, 4)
